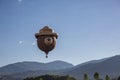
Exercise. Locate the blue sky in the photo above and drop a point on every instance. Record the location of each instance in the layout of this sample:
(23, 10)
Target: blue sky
(88, 29)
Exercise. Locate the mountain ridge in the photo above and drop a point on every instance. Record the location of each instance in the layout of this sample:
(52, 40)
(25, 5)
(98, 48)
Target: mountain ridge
(106, 66)
(109, 66)
(33, 66)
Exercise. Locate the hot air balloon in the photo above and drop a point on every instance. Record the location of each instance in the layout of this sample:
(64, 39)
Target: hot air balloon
(46, 39)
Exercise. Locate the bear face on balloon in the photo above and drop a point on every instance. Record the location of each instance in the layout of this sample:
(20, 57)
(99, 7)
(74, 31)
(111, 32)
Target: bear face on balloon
(46, 39)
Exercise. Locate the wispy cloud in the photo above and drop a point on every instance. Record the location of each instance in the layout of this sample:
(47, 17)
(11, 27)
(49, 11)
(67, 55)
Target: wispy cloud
(20, 42)
(34, 43)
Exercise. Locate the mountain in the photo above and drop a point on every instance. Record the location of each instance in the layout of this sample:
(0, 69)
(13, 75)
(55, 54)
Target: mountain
(33, 66)
(107, 66)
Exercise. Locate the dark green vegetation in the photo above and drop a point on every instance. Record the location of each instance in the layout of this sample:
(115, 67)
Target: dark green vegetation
(51, 77)
(96, 76)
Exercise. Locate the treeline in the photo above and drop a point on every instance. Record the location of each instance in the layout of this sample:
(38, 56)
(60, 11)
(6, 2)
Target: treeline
(51, 77)
(96, 76)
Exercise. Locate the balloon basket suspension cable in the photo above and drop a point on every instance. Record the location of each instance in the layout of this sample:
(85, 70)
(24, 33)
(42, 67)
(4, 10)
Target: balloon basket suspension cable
(46, 54)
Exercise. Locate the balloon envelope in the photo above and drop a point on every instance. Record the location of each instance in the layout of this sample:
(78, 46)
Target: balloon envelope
(46, 39)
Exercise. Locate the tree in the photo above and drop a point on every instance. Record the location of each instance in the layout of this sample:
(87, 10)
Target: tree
(51, 77)
(86, 77)
(96, 76)
(118, 78)
(107, 77)
(40, 79)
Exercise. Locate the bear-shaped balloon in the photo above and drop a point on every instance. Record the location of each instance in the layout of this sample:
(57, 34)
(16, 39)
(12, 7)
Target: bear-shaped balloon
(46, 39)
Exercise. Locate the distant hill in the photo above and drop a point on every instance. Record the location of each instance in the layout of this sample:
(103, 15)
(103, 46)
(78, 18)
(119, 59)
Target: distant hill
(109, 66)
(33, 66)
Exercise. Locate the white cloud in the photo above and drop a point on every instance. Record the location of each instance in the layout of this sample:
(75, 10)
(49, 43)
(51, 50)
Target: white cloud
(34, 43)
(20, 42)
